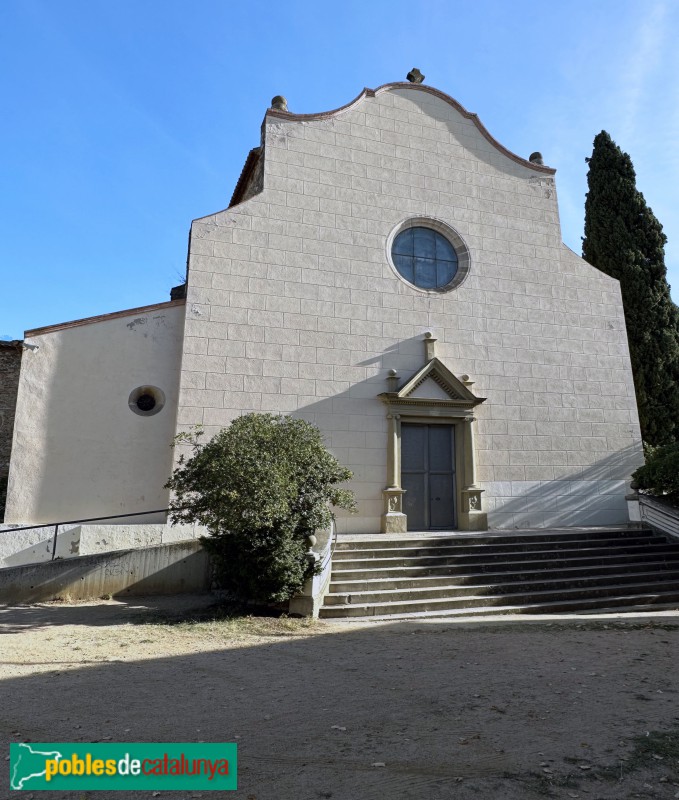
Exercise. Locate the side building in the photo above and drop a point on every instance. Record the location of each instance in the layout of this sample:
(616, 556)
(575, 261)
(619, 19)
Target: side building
(95, 416)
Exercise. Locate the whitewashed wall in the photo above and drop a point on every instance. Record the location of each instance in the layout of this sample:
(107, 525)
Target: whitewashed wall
(19, 547)
(78, 449)
(293, 307)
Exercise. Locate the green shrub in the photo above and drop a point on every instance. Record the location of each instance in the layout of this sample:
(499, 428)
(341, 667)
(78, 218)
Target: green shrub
(660, 474)
(261, 487)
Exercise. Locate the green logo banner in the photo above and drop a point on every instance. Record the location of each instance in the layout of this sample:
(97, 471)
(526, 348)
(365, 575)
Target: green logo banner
(122, 765)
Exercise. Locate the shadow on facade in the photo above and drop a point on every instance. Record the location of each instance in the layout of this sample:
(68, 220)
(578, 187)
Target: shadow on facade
(593, 495)
(354, 423)
(489, 155)
(355, 428)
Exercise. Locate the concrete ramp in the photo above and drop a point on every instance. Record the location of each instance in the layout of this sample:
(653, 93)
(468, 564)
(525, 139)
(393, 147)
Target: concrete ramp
(163, 569)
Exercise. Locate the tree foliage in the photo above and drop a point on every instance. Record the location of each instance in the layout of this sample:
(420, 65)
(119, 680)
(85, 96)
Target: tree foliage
(261, 487)
(659, 476)
(624, 239)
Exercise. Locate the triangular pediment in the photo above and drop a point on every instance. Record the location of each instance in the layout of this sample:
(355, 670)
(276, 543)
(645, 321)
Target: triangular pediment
(435, 374)
(434, 384)
(429, 389)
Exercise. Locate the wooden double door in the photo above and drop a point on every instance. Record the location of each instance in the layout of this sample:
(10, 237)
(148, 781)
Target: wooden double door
(428, 476)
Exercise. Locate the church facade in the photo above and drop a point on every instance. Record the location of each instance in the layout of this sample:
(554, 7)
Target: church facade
(391, 273)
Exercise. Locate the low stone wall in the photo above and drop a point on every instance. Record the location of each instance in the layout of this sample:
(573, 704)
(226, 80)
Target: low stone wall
(36, 545)
(164, 569)
(659, 516)
(308, 603)
(124, 560)
(104, 538)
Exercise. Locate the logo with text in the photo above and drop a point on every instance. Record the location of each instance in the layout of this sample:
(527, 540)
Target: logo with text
(123, 765)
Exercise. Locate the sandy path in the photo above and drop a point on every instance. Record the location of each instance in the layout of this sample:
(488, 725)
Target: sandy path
(490, 710)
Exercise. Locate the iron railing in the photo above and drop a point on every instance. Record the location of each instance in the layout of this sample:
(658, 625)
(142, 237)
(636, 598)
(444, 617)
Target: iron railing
(56, 525)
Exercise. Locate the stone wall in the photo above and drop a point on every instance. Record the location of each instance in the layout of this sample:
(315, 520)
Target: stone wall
(294, 307)
(10, 366)
(35, 545)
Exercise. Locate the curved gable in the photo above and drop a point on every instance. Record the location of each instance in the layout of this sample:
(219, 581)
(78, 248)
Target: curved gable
(402, 87)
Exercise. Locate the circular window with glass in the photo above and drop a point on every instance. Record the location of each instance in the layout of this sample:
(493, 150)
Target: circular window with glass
(429, 255)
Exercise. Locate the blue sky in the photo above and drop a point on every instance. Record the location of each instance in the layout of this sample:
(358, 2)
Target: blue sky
(123, 121)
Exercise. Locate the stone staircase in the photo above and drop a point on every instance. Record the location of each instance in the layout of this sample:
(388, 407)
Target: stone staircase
(523, 572)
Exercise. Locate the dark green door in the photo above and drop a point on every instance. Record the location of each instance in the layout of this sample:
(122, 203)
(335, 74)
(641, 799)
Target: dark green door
(428, 476)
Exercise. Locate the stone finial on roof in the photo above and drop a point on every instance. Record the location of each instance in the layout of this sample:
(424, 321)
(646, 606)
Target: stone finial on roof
(536, 158)
(415, 76)
(279, 103)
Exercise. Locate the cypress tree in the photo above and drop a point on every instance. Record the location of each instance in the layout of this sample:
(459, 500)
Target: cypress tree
(624, 239)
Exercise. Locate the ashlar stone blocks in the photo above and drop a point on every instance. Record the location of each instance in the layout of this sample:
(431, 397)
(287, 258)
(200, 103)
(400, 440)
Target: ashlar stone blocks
(293, 308)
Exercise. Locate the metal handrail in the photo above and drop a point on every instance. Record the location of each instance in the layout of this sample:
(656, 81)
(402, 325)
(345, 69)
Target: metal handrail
(77, 521)
(56, 525)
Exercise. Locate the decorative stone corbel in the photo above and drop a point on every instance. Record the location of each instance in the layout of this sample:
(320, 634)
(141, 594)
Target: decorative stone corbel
(393, 518)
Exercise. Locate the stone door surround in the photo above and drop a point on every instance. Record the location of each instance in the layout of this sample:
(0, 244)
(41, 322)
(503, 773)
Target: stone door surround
(432, 395)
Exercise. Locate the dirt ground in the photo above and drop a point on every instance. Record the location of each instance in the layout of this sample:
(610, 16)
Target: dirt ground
(513, 709)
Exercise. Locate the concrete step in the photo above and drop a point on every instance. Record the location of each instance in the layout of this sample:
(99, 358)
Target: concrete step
(491, 548)
(384, 540)
(488, 573)
(478, 577)
(554, 557)
(547, 601)
(638, 604)
(377, 594)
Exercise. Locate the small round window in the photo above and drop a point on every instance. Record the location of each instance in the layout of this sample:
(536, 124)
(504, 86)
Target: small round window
(428, 254)
(146, 400)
